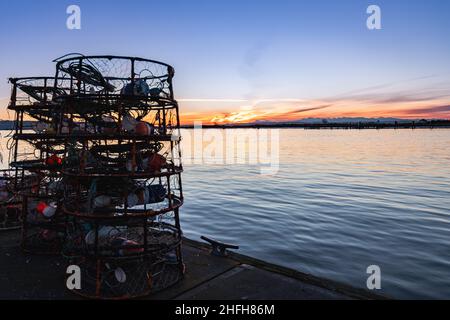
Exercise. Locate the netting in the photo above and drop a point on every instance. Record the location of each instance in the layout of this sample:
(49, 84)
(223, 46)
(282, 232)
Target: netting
(117, 76)
(126, 279)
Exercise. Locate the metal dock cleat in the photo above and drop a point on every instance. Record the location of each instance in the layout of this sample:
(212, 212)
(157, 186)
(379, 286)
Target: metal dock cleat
(219, 248)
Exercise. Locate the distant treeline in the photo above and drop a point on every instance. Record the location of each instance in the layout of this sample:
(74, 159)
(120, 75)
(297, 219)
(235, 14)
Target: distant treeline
(330, 125)
(9, 125)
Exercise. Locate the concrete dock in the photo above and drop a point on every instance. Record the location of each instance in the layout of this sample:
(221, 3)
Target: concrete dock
(207, 277)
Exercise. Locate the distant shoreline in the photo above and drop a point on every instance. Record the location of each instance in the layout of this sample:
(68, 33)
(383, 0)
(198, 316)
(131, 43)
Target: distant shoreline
(437, 124)
(422, 124)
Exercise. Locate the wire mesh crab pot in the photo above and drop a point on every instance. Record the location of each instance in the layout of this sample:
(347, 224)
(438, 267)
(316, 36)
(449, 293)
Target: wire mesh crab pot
(43, 226)
(113, 95)
(13, 184)
(38, 154)
(122, 174)
(116, 77)
(117, 196)
(125, 257)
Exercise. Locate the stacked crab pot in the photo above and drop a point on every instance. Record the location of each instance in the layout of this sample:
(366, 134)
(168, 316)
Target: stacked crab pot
(122, 174)
(37, 156)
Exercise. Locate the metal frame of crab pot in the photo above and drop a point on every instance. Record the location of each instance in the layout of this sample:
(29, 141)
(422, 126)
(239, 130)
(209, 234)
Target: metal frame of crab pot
(107, 169)
(98, 86)
(34, 97)
(126, 257)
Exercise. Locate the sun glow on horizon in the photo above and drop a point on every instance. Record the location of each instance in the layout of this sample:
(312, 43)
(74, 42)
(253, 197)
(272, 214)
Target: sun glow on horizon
(235, 111)
(285, 111)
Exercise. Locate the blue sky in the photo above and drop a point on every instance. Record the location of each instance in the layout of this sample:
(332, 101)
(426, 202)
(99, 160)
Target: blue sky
(306, 52)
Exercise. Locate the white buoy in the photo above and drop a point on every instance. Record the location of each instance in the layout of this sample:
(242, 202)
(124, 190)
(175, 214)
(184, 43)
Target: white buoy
(103, 232)
(102, 201)
(50, 210)
(120, 275)
(133, 200)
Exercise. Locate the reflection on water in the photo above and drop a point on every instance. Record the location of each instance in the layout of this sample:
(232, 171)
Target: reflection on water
(340, 201)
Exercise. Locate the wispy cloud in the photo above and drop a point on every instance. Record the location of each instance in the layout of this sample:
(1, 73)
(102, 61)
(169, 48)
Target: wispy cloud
(359, 92)
(211, 100)
(310, 109)
(428, 110)
(402, 95)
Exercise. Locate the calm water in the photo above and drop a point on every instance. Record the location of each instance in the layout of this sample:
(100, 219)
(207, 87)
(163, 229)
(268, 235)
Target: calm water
(341, 201)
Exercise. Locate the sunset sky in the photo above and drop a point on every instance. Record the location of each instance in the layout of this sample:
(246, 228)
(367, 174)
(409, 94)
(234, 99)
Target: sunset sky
(241, 61)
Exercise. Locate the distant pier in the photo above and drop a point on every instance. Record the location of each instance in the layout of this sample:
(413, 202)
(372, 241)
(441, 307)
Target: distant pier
(422, 124)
